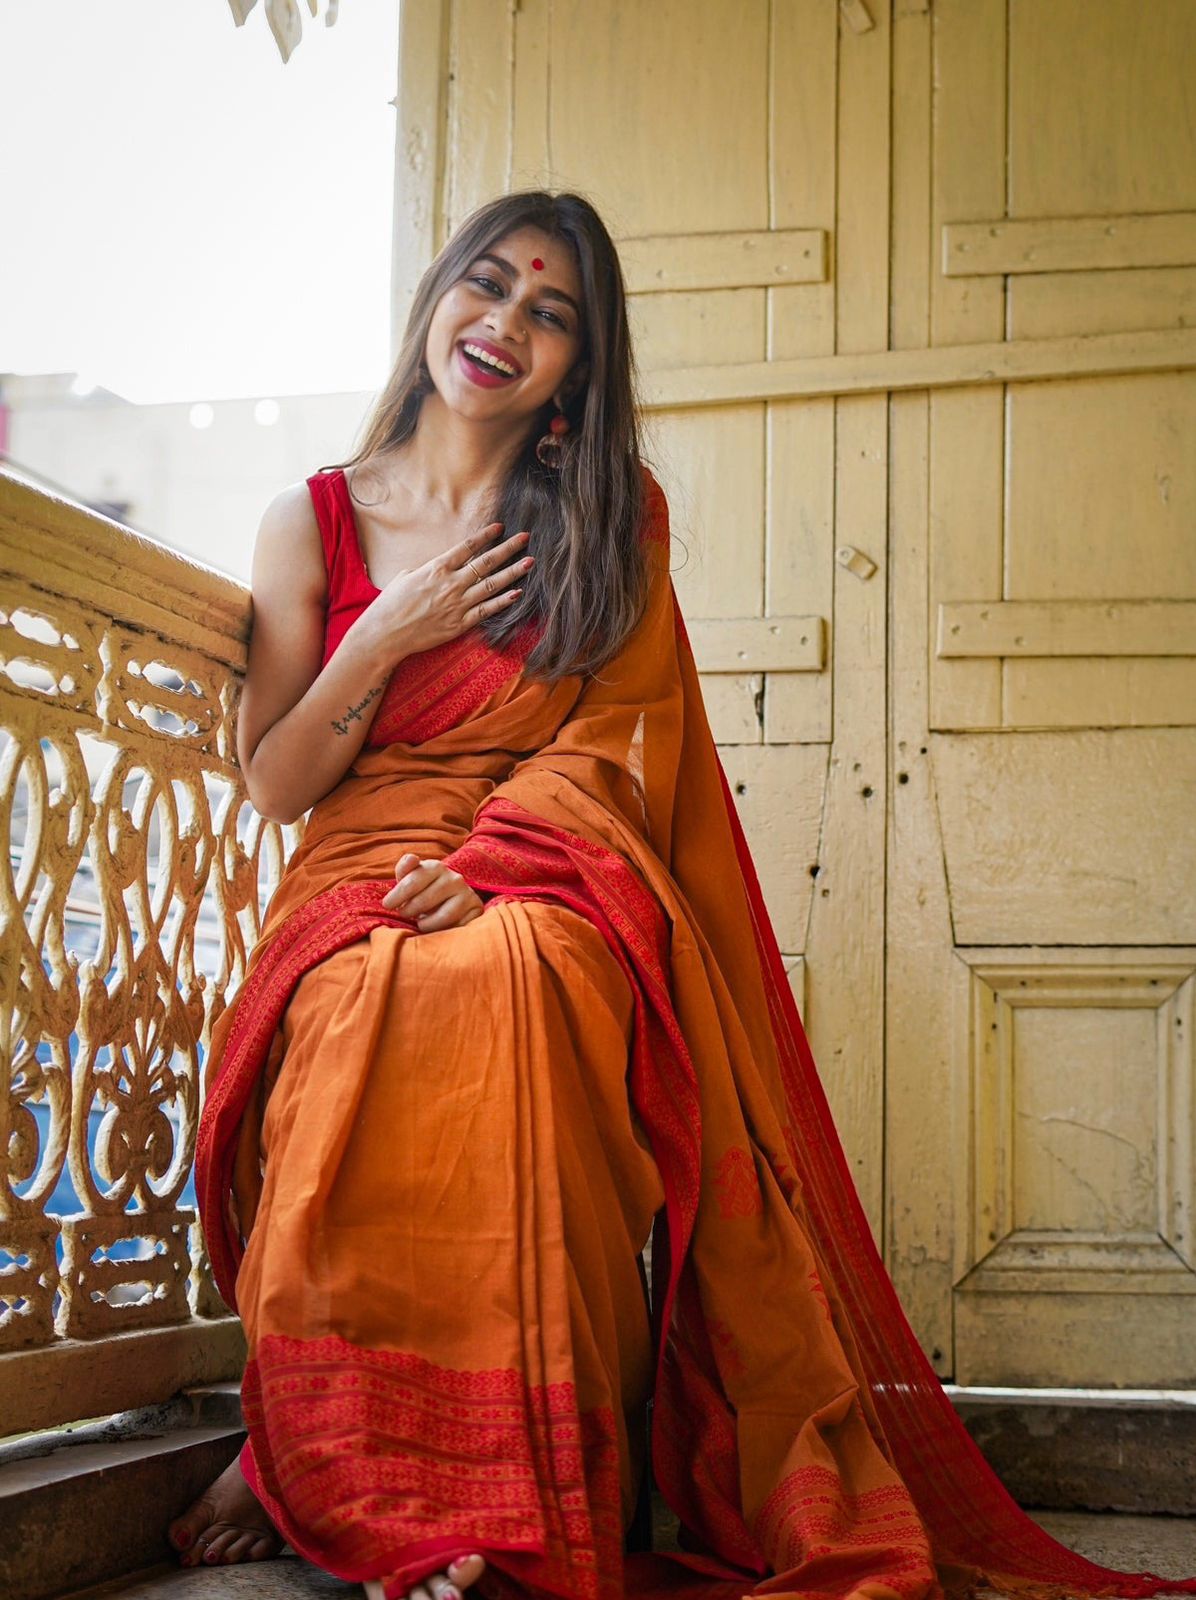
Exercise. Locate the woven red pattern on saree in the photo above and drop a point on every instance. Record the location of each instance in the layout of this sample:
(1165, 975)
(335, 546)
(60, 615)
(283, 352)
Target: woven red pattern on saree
(385, 1449)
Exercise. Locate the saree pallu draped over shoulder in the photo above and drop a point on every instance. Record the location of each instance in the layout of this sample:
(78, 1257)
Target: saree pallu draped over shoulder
(428, 1163)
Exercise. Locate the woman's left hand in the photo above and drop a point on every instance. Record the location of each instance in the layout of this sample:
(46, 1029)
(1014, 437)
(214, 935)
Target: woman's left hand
(431, 894)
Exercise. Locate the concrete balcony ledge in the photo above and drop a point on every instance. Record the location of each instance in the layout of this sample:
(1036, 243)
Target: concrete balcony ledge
(84, 1505)
(1127, 1450)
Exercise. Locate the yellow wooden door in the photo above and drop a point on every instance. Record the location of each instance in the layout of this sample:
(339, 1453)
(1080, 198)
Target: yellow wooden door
(1043, 847)
(929, 514)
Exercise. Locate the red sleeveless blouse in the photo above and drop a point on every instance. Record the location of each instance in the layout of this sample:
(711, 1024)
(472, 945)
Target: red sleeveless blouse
(430, 690)
(349, 588)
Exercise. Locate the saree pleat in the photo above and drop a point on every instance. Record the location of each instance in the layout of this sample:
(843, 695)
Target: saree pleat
(427, 1163)
(450, 1212)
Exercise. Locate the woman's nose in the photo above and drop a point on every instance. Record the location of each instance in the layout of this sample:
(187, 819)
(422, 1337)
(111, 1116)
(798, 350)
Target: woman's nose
(507, 320)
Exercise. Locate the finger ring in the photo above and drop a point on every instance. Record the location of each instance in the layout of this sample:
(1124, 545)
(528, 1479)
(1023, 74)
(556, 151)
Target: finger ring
(474, 570)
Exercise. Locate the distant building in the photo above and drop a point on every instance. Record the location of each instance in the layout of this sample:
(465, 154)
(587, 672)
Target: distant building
(193, 474)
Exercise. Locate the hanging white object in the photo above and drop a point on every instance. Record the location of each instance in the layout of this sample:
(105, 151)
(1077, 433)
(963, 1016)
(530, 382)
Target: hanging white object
(286, 25)
(285, 19)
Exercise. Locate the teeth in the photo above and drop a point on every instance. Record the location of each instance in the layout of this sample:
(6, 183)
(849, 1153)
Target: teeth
(491, 361)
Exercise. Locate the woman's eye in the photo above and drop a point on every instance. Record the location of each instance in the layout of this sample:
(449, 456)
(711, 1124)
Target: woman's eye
(489, 283)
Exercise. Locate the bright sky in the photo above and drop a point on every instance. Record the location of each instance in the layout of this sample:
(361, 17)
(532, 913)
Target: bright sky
(184, 216)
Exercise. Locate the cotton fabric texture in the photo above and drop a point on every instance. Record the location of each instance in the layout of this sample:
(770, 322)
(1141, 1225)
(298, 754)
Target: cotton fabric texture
(428, 1163)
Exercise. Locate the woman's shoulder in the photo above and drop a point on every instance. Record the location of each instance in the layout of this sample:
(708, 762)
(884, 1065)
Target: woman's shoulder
(289, 543)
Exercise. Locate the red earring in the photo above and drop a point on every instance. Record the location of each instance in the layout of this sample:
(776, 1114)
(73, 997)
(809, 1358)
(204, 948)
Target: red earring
(549, 447)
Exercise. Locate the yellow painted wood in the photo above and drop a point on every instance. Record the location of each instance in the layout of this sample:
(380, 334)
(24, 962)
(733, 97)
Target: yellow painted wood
(531, 61)
(1068, 244)
(1015, 1339)
(1049, 838)
(1040, 903)
(479, 104)
(963, 366)
(417, 222)
(120, 663)
(723, 260)
(1067, 628)
(724, 325)
(733, 704)
(920, 1211)
(1050, 304)
(717, 514)
(770, 783)
(800, 537)
(660, 116)
(845, 948)
(771, 644)
(1081, 1207)
(1100, 107)
(799, 436)
(857, 15)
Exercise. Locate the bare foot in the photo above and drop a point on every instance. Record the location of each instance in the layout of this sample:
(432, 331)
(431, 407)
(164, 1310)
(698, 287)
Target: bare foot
(438, 1585)
(226, 1524)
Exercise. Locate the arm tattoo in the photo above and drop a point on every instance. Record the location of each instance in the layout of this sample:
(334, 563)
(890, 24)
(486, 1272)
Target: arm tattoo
(353, 714)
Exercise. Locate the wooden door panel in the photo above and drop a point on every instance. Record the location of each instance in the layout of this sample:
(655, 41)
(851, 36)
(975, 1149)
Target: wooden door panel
(1081, 1185)
(1061, 645)
(1069, 838)
(1100, 107)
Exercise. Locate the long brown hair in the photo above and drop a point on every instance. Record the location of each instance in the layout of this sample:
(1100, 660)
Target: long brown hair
(586, 591)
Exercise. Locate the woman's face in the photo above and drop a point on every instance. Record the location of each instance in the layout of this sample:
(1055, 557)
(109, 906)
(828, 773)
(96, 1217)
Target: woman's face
(521, 301)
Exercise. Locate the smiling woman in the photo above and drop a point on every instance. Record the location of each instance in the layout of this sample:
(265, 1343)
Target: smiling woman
(516, 1007)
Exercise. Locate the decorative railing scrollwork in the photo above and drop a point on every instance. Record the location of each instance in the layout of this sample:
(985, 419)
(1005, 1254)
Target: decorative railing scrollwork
(132, 891)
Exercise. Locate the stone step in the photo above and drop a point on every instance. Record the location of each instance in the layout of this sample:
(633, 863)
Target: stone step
(1166, 1545)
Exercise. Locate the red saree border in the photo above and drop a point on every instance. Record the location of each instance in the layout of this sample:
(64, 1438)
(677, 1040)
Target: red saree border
(481, 1458)
(433, 690)
(322, 925)
(809, 1515)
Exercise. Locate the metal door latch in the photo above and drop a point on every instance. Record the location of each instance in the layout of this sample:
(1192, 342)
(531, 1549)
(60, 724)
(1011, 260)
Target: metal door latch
(855, 561)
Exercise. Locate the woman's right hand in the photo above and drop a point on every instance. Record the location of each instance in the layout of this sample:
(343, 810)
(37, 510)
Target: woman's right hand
(425, 606)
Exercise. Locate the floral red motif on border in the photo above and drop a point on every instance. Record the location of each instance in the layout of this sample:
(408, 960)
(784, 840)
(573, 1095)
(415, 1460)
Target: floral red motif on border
(737, 1185)
(434, 1453)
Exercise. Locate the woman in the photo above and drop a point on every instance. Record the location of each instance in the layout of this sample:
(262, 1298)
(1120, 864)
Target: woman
(516, 1006)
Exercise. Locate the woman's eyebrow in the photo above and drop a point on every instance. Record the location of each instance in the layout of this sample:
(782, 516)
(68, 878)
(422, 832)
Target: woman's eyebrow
(547, 291)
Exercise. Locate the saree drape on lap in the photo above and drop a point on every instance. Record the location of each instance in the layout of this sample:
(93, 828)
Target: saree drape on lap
(428, 1162)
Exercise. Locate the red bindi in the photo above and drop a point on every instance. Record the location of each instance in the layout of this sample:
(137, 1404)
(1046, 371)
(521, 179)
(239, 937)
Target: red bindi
(538, 264)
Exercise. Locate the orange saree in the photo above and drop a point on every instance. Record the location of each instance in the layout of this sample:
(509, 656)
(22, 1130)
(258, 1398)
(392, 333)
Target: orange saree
(428, 1163)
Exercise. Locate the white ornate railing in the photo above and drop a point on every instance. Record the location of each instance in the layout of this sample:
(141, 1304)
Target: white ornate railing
(136, 873)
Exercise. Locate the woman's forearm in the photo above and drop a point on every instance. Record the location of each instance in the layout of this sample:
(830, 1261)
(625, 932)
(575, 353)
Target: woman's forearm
(308, 751)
